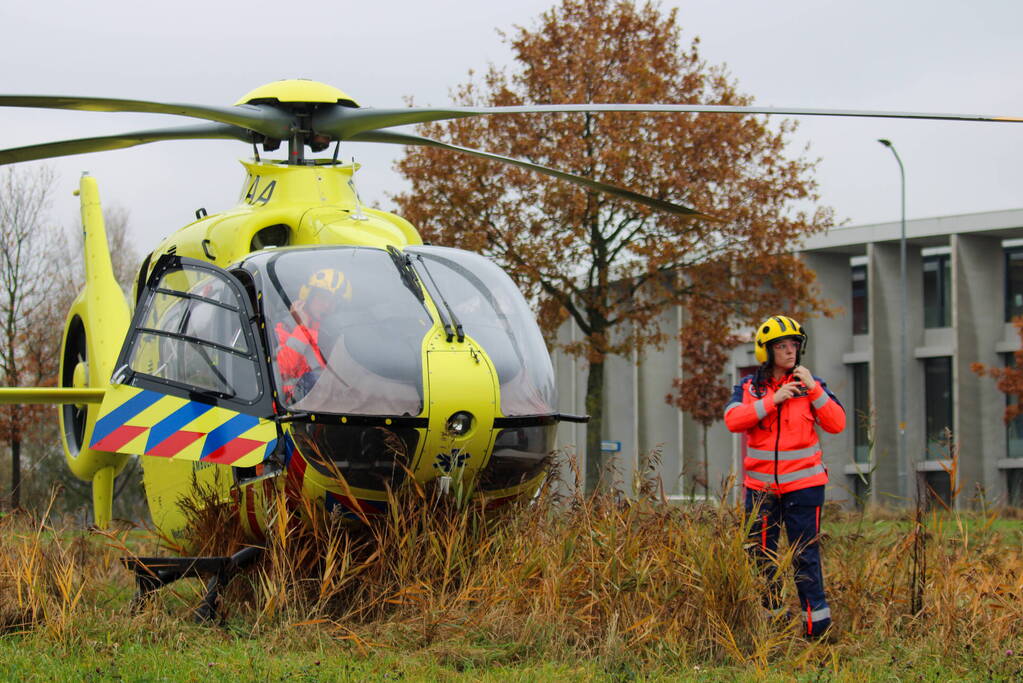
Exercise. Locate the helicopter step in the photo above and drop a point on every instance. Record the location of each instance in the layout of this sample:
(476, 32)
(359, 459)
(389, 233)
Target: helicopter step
(153, 573)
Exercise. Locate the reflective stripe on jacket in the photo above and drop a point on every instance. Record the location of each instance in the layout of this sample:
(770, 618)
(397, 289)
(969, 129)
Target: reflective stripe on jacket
(299, 352)
(782, 450)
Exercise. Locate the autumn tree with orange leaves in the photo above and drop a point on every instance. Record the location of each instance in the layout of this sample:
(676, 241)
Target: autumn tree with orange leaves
(1008, 380)
(610, 265)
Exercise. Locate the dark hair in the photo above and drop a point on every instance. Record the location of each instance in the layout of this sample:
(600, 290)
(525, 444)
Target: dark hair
(761, 376)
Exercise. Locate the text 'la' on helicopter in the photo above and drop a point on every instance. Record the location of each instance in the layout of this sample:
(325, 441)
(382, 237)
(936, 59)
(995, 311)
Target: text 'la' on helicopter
(301, 335)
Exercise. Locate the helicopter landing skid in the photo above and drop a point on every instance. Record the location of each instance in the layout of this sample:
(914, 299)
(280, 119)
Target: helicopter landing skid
(153, 573)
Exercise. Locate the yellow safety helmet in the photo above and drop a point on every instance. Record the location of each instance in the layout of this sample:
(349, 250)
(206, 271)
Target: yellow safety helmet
(774, 328)
(329, 280)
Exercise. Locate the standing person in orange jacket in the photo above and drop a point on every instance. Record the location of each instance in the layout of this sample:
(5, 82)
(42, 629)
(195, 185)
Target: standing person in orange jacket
(777, 409)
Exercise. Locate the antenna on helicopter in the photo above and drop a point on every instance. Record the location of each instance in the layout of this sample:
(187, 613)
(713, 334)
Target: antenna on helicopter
(357, 214)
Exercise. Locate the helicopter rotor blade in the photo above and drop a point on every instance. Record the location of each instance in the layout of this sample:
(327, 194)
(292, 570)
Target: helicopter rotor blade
(206, 131)
(264, 119)
(343, 122)
(398, 138)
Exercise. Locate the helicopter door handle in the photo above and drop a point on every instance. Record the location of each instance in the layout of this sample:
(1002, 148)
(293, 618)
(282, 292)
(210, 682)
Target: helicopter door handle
(206, 250)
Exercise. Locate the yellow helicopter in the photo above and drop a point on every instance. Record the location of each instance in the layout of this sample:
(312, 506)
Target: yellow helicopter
(301, 335)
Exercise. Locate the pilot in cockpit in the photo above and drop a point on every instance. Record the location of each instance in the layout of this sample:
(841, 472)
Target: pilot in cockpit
(300, 358)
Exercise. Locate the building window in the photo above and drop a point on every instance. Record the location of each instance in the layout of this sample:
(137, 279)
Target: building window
(937, 291)
(861, 412)
(859, 300)
(937, 405)
(1014, 429)
(1013, 283)
(937, 487)
(1014, 486)
(860, 490)
(1014, 438)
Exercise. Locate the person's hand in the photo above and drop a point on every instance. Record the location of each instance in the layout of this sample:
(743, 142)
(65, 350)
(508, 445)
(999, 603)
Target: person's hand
(298, 311)
(803, 375)
(787, 391)
(306, 382)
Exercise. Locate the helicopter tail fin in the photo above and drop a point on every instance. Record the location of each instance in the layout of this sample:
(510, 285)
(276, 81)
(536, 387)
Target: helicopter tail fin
(99, 270)
(93, 336)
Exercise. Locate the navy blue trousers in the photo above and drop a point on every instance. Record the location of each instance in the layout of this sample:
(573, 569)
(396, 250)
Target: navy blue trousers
(800, 513)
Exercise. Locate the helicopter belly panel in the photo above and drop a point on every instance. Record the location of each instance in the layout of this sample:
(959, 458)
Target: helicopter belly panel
(144, 422)
(171, 483)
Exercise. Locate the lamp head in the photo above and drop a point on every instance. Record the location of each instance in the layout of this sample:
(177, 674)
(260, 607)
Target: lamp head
(886, 143)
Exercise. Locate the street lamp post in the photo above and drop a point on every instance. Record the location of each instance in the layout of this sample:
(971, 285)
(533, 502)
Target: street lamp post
(903, 464)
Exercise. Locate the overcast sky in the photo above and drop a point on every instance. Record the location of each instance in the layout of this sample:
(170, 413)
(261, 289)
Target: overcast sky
(909, 55)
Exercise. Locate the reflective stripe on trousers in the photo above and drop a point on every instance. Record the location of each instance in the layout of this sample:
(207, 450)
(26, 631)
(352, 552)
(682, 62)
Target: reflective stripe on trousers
(819, 614)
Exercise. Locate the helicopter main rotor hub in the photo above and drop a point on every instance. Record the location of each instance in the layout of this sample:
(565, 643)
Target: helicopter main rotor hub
(299, 98)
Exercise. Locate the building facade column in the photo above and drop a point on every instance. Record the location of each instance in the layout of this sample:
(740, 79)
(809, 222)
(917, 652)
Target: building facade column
(978, 305)
(829, 340)
(885, 320)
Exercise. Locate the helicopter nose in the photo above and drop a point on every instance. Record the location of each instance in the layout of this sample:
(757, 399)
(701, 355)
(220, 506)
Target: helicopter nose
(462, 390)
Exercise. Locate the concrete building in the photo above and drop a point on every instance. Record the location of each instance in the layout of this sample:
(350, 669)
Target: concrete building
(964, 285)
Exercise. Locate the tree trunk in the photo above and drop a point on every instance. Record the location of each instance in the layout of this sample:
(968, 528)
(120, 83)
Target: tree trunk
(597, 475)
(706, 466)
(15, 472)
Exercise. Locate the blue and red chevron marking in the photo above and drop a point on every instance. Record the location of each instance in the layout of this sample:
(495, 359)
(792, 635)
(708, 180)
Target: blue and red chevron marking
(223, 444)
(167, 439)
(111, 433)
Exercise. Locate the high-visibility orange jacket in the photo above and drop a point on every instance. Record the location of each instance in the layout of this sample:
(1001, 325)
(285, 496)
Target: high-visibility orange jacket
(783, 452)
(298, 354)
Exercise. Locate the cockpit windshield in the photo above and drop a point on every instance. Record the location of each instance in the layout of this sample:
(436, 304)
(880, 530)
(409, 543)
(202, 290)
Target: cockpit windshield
(345, 331)
(492, 311)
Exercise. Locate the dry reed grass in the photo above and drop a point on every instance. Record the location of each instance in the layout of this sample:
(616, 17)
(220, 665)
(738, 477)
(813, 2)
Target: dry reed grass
(49, 573)
(633, 584)
(634, 581)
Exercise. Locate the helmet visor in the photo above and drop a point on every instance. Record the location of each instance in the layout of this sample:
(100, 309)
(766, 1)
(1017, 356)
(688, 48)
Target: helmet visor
(787, 343)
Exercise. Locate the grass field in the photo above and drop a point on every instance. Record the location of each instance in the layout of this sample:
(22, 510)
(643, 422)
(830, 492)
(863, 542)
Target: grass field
(576, 589)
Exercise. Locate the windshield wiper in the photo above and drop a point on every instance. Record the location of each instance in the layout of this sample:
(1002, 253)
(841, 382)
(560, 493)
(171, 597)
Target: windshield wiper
(404, 265)
(450, 321)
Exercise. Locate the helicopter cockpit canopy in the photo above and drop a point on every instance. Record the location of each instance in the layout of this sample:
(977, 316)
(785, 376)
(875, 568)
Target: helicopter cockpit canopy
(493, 312)
(346, 326)
(345, 332)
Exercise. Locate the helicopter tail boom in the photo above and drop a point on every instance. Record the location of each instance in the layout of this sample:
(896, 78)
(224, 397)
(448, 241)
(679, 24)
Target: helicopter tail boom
(50, 395)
